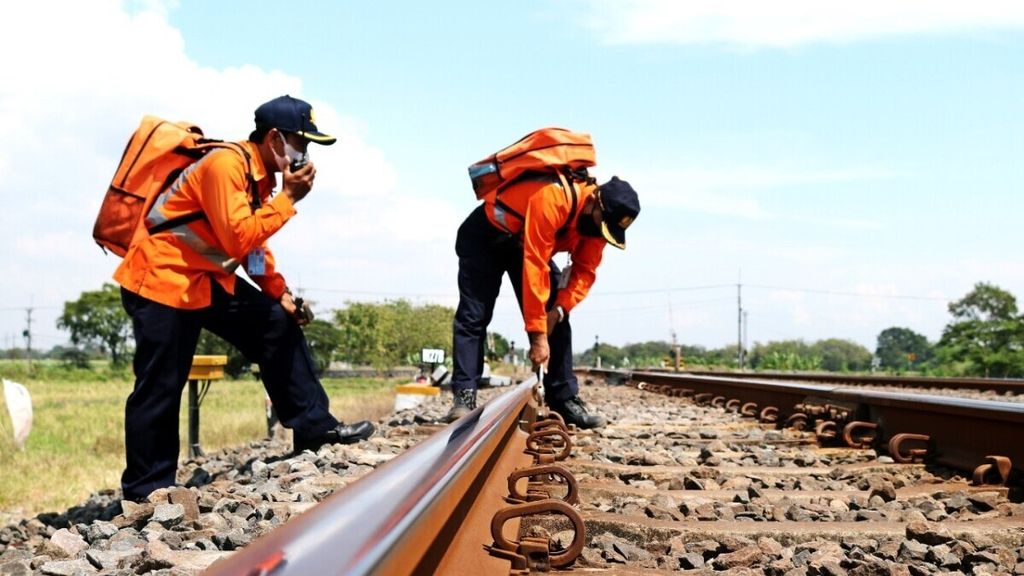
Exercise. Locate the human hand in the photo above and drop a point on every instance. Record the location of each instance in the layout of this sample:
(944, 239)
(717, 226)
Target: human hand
(295, 185)
(539, 350)
(295, 308)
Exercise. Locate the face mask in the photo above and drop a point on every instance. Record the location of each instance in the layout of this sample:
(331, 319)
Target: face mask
(586, 227)
(292, 157)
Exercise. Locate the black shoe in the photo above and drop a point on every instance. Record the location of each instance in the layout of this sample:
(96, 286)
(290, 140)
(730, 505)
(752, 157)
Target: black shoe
(464, 403)
(573, 411)
(340, 434)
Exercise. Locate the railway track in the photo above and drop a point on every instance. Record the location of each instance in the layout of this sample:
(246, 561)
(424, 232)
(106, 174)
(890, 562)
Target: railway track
(691, 477)
(683, 479)
(427, 510)
(981, 436)
(996, 385)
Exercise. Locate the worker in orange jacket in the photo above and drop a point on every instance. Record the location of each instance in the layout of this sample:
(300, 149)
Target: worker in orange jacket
(213, 220)
(517, 234)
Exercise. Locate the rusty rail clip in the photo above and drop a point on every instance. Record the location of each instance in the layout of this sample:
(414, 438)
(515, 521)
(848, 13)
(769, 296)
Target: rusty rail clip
(545, 442)
(797, 421)
(914, 454)
(572, 495)
(853, 436)
(703, 397)
(533, 554)
(825, 430)
(1000, 466)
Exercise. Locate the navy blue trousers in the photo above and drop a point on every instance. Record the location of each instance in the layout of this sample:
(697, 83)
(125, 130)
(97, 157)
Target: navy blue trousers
(485, 255)
(165, 340)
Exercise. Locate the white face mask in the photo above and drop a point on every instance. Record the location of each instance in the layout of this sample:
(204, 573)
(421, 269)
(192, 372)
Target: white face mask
(292, 157)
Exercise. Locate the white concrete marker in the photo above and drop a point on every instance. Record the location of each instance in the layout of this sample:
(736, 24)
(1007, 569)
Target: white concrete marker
(19, 404)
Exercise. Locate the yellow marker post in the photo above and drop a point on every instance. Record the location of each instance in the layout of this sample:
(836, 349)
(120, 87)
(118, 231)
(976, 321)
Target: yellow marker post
(204, 369)
(411, 395)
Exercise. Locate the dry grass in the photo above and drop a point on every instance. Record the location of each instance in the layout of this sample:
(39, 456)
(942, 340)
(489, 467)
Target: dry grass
(77, 442)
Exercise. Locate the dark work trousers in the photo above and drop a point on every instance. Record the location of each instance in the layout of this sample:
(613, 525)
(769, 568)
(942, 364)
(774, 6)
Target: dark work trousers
(485, 254)
(165, 340)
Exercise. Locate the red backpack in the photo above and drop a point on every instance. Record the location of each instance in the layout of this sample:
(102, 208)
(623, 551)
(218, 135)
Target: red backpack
(156, 154)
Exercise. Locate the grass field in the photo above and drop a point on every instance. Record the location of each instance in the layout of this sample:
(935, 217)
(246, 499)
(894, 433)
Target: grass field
(77, 442)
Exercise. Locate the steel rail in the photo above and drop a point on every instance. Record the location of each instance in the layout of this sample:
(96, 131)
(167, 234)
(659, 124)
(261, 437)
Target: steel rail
(957, 432)
(1000, 385)
(409, 515)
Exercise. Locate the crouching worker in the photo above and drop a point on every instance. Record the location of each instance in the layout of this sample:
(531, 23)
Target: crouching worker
(180, 277)
(520, 226)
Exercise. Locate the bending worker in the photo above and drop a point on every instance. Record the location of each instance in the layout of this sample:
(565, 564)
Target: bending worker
(518, 235)
(181, 279)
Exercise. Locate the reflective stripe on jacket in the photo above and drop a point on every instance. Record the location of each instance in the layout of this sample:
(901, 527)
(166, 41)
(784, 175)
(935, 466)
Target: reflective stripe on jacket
(175, 267)
(537, 209)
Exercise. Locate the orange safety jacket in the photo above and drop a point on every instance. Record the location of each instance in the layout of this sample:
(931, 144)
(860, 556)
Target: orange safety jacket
(537, 211)
(175, 267)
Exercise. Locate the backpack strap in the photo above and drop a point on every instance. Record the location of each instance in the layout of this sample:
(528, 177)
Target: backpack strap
(569, 185)
(565, 180)
(198, 153)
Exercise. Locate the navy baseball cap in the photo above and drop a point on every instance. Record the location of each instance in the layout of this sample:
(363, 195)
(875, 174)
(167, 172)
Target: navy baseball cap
(291, 115)
(619, 207)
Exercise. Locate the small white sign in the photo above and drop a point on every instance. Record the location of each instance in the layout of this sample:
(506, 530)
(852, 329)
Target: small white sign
(432, 355)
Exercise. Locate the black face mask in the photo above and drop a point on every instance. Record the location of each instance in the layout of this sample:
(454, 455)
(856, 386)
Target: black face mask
(586, 226)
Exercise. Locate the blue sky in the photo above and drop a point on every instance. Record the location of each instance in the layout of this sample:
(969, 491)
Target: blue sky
(853, 166)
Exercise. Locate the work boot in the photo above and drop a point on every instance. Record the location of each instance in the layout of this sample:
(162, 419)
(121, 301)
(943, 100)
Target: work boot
(465, 402)
(573, 411)
(340, 434)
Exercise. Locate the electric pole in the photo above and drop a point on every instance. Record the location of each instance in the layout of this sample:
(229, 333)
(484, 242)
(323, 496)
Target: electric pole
(746, 326)
(739, 325)
(28, 336)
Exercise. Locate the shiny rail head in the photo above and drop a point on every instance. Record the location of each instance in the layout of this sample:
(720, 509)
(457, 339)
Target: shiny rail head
(357, 530)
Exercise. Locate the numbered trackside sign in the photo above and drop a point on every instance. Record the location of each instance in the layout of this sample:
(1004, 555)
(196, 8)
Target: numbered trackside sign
(432, 355)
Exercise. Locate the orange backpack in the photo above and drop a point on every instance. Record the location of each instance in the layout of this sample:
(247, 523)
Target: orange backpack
(545, 150)
(155, 156)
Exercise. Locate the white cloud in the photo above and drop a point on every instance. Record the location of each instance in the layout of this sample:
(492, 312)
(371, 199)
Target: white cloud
(70, 101)
(784, 23)
(734, 191)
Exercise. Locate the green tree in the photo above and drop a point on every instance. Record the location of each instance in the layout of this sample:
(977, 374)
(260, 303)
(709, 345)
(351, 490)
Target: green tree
(650, 353)
(97, 317)
(985, 336)
(360, 324)
(783, 355)
(392, 333)
(610, 355)
(839, 355)
(497, 346)
(323, 339)
(899, 348)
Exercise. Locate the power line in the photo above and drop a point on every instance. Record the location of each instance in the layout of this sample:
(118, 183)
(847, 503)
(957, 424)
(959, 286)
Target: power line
(685, 306)
(662, 290)
(855, 294)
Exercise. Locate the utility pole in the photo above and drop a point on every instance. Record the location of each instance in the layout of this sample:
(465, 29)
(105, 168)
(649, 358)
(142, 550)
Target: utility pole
(28, 336)
(746, 326)
(675, 351)
(739, 325)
